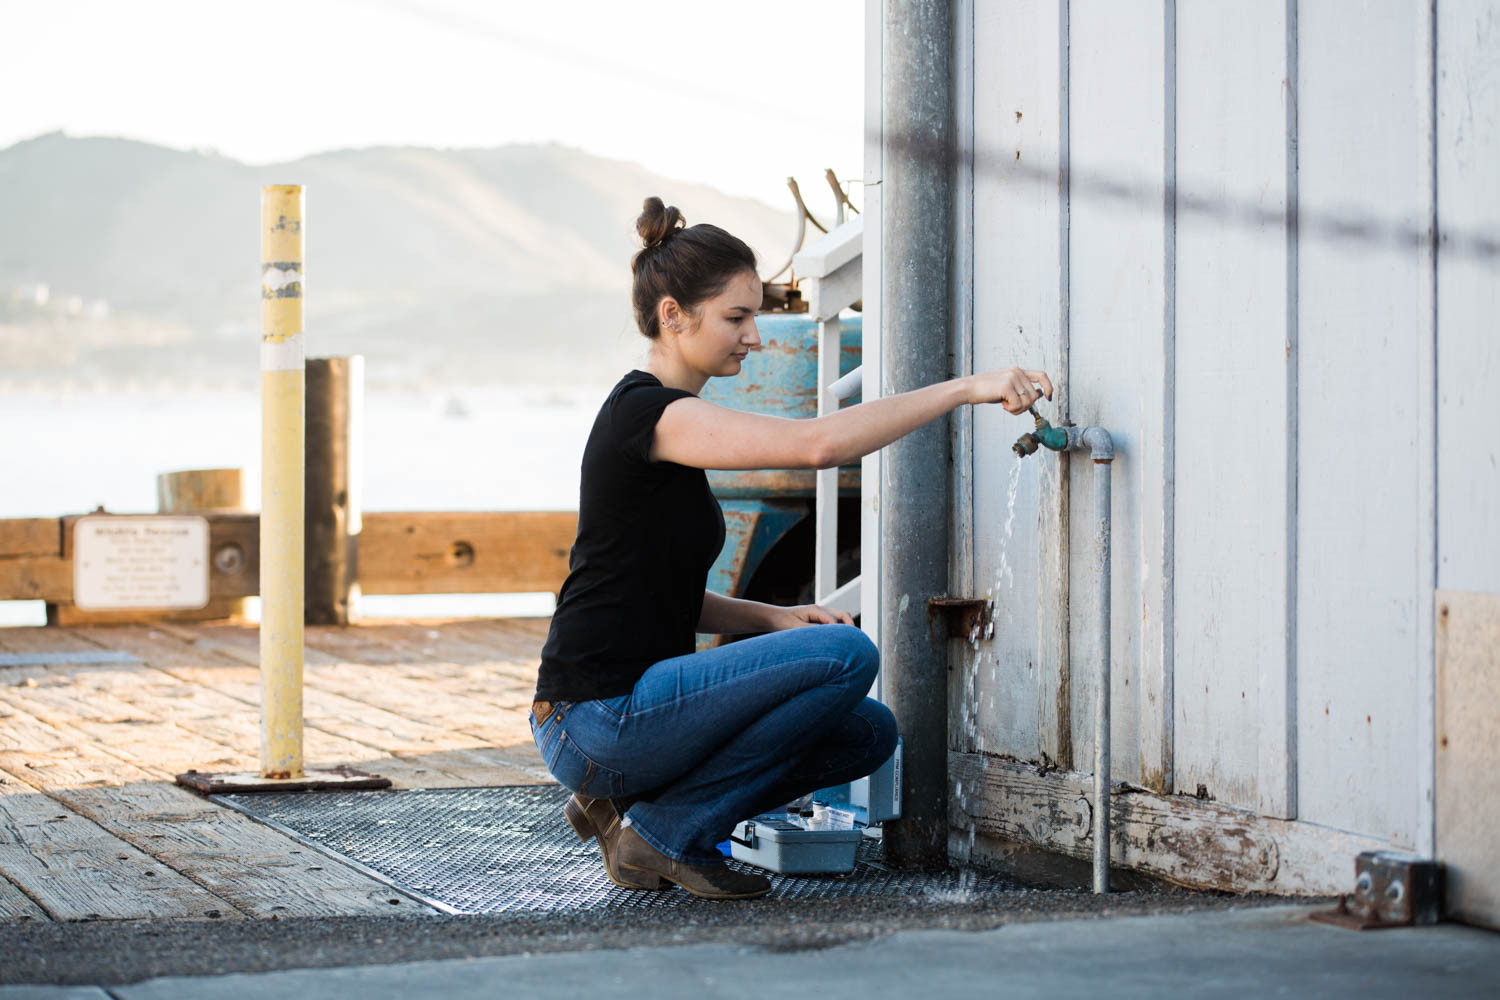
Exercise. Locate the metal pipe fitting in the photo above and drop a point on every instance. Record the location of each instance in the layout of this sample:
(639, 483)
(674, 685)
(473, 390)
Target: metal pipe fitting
(1095, 440)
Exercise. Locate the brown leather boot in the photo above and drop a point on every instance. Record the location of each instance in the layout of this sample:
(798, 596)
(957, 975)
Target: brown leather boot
(636, 857)
(597, 818)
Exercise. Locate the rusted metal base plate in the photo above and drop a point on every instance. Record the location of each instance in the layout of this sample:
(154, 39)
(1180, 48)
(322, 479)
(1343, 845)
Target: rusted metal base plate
(340, 778)
(1341, 917)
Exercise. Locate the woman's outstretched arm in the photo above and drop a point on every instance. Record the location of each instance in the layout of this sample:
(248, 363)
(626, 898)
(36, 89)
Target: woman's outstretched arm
(733, 616)
(699, 434)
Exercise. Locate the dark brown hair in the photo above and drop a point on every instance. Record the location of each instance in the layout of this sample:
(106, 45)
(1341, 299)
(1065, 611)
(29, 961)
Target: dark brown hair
(690, 264)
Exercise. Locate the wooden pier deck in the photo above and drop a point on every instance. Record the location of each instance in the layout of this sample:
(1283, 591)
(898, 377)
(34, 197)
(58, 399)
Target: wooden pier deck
(93, 827)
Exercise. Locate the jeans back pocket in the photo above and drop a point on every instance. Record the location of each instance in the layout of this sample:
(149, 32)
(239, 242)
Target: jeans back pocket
(574, 769)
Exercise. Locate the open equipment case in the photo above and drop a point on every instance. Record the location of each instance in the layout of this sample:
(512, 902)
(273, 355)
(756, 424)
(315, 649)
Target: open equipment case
(822, 835)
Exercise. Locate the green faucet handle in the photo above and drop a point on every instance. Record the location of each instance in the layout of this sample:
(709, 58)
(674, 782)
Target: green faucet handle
(1046, 435)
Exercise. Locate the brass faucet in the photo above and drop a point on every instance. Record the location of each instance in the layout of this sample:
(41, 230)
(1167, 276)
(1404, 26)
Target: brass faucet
(1045, 436)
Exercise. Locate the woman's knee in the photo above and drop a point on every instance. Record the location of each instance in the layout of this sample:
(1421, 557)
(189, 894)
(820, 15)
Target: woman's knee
(859, 655)
(886, 732)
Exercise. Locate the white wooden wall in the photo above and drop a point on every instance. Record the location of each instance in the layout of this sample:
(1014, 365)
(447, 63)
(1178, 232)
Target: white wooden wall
(1213, 219)
(1468, 179)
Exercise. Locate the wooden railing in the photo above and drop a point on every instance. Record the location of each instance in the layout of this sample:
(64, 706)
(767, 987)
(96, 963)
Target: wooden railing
(400, 552)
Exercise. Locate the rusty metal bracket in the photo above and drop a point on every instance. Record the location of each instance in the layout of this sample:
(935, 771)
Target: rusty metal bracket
(967, 617)
(1391, 889)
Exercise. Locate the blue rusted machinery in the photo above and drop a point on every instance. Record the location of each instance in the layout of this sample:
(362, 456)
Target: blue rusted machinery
(768, 556)
(768, 544)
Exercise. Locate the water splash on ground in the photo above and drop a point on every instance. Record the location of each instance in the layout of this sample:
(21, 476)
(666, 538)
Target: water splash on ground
(964, 891)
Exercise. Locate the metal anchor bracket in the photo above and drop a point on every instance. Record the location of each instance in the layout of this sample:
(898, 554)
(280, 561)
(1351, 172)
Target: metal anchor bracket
(967, 617)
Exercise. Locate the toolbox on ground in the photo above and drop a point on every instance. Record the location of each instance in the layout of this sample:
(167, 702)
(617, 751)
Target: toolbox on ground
(824, 834)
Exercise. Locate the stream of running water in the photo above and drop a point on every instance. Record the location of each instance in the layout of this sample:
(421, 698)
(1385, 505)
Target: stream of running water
(1003, 615)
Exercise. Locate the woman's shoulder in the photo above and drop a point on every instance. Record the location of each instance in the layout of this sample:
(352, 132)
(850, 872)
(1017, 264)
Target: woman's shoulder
(628, 416)
(639, 389)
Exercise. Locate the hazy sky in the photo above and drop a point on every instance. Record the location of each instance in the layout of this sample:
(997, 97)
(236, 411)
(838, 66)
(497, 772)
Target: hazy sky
(733, 94)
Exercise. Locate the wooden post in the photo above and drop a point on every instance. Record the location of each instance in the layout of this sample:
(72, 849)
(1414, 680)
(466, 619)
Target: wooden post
(281, 492)
(335, 387)
(196, 490)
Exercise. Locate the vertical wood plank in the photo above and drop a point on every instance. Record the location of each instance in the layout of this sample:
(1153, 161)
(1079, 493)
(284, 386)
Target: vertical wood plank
(1468, 451)
(1231, 440)
(1364, 583)
(1118, 362)
(1467, 141)
(1012, 682)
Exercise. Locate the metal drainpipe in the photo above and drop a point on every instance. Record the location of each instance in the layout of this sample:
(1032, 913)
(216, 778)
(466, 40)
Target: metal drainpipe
(916, 250)
(1101, 447)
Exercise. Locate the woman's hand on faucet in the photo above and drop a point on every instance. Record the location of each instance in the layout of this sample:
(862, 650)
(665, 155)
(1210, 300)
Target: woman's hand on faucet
(1013, 388)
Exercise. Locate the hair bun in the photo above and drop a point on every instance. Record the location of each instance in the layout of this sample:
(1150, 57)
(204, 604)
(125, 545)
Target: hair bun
(657, 221)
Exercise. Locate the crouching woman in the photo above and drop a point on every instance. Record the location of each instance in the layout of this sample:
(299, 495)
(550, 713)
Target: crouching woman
(665, 748)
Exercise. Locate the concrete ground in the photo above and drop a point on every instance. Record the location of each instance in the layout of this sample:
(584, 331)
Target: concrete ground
(1255, 951)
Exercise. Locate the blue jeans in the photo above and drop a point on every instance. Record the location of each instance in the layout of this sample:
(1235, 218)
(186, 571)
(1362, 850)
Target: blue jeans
(715, 737)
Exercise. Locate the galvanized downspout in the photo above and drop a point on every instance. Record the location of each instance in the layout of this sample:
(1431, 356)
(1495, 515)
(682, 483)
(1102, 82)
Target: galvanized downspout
(1101, 447)
(915, 287)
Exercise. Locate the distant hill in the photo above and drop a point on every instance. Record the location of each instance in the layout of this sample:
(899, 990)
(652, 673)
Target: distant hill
(124, 260)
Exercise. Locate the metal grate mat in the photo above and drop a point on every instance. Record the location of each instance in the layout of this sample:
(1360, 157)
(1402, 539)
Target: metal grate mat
(509, 849)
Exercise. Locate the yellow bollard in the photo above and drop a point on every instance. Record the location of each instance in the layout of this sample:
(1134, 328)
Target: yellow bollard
(283, 388)
(281, 506)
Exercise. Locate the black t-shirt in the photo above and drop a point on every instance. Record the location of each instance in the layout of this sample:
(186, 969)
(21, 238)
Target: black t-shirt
(648, 533)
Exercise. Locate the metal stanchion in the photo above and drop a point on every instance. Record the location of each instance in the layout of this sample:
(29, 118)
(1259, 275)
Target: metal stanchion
(282, 391)
(282, 526)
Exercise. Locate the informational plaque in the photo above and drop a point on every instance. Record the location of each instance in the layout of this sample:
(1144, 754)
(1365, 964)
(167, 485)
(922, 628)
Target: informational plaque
(157, 562)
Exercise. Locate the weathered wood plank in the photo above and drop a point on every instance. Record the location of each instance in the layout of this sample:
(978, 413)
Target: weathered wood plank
(400, 553)
(465, 552)
(1364, 642)
(1232, 502)
(23, 732)
(155, 695)
(30, 536)
(1192, 842)
(1004, 695)
(479, 767)
(1118, 370)
(327, 710)
(1468, 455)
(41, 639)
(259, 871)
(471, 694)
(90, 708)
(218, 608)
(16, 905)
(212, 696)
(513, 645)
(210, 692)
(77, 870)
(36, 578)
